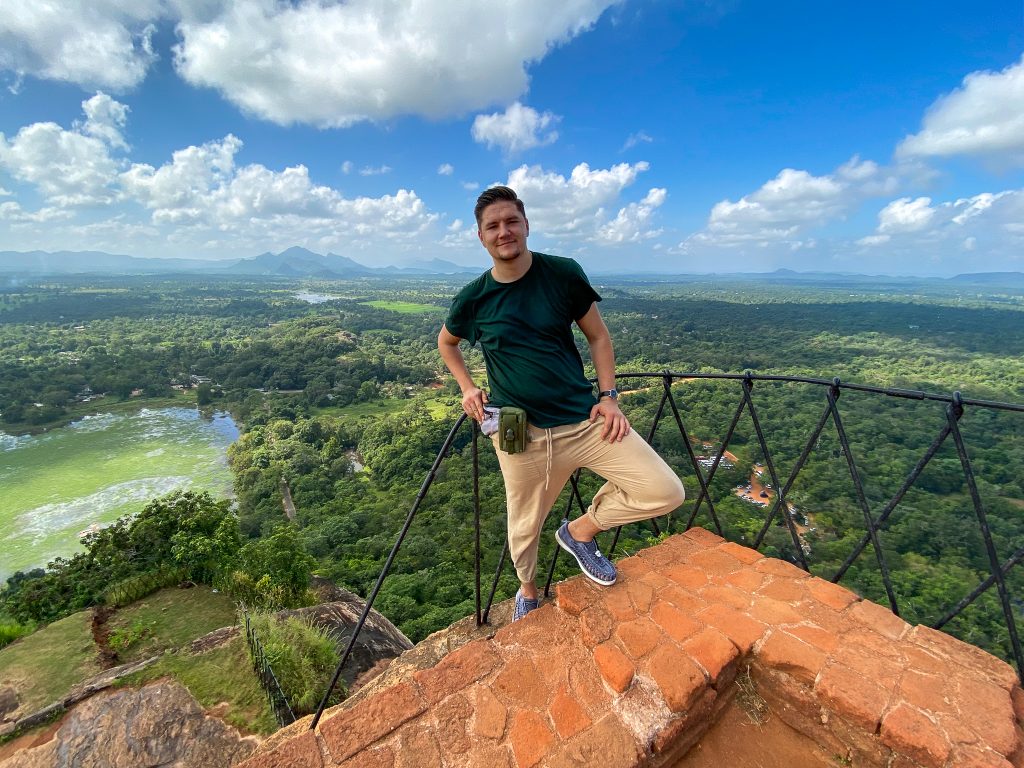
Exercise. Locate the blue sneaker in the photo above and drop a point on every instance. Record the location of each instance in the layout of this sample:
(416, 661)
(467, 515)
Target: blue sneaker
(523, 606)
(594, 565)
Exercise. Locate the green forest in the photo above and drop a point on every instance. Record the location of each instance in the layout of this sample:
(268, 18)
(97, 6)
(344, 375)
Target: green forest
(345, 404)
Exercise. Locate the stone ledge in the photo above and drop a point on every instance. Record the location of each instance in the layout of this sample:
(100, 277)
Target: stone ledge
(634, 674)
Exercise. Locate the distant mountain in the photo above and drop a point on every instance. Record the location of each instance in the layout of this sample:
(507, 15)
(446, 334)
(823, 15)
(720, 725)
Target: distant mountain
(89, 262)
(991, 279)
(293, 262)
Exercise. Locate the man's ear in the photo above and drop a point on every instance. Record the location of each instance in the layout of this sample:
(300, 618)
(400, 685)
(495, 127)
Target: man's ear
(480, 237)
(527, 226)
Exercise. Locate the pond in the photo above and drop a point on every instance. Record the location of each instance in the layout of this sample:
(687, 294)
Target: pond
(56, 485)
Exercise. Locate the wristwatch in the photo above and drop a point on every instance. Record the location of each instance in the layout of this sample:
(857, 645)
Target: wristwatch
(612, 393)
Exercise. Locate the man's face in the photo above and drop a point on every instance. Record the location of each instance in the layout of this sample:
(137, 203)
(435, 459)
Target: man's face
(503, 231)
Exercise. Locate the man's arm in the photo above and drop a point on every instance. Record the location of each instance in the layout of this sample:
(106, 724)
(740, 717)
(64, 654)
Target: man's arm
(473, 398)
(616, 425)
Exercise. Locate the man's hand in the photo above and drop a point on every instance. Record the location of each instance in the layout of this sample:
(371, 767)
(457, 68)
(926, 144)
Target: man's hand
(616, 425)
(473, 400)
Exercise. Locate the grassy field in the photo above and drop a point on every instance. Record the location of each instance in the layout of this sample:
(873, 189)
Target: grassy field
(221, 680)
(404, 307)
(167, 620)
(43, 666)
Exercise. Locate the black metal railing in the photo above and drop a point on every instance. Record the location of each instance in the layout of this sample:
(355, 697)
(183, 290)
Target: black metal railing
(778, 511)
(265, 673)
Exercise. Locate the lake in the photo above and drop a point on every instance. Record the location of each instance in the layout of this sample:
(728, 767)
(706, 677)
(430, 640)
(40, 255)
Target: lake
(89, 473)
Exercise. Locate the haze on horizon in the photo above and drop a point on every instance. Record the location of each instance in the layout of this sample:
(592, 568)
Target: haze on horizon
(694, 137)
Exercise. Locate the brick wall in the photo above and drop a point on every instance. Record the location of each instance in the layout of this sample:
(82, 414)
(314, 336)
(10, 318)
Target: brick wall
(635, 674)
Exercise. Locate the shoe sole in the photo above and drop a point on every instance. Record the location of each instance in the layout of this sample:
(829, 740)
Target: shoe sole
(588, 574)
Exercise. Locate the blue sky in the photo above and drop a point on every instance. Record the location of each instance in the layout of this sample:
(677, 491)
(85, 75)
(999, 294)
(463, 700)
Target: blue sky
(660, 136)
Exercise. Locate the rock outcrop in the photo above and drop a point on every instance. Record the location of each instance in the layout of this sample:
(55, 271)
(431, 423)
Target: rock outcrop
(159, 724)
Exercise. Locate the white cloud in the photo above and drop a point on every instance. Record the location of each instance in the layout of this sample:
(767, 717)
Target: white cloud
(68, 167)
(795, 201)
(905, 215)
(456, 225)
(984, 116)
(470, 186)
(445, 169)
(375, 170)
(640, 137)
(347, 167)
(336, 64)
(517, 129)
(102, 43)
(105, 118)
(576, 208)
(632, 222)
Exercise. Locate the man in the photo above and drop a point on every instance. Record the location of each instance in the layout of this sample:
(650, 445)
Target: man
(521, 311)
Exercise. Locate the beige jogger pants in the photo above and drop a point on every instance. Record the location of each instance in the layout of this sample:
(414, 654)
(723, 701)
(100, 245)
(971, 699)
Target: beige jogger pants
(640, 484)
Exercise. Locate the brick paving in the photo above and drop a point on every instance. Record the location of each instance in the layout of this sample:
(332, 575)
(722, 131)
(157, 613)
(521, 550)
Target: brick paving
(633, 675)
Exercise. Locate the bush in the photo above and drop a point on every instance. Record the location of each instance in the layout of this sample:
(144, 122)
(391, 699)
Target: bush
(11, 630)
(129, 590)
(303, 657)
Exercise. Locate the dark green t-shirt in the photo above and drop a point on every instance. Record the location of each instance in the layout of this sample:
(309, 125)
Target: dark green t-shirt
(525, 331)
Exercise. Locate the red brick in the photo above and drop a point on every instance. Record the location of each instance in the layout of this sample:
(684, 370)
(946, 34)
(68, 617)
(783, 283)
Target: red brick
(616, 601)
(715, 653)
(969, 656)
(715, 562)
(457, 670)
(703, 536)
(671, 551)
(355, 729)
(382, 757)
(867, 662)
(907, 731)
(451, 717)
(683, 732)
(878, 618)
(298, 752)
(530, 738)
(747, 580)
(596, 626)
(638, 637)
(742, 630)
(684, 600)
(679, 679)
(487, 756)
(774, 612)
(1017, 697)
(489, 714)
(785, 653)
(607, 744)
(988, 711)
(417, 749)
(786, 590)
(641, 594)
(614, 666)
(816, 636)
(675, 623)
(567, 715)
(725, 595)
(519, 683)
(976, 757)
(775, 567)
(657, 580)
(588, 687)
(632, 569)
(852, 696)
(687, 576)
(874, 643)
(743, 554)
(575, 595)
(834, 596)
(924, 691)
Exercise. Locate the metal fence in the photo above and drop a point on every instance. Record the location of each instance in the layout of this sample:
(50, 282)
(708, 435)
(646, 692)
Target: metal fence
(265, 673)
(778, 510)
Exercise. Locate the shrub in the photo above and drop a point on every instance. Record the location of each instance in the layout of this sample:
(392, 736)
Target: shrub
(303, 657)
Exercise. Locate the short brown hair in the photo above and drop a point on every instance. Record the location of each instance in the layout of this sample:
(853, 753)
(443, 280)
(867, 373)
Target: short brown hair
(496, 195)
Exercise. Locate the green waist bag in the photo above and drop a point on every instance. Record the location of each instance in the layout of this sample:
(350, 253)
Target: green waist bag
(512, 429)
